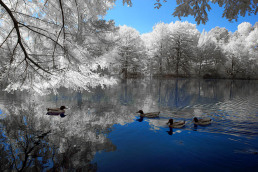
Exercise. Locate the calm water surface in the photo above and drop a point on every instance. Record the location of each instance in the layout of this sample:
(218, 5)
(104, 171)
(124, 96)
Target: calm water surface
(102, 132)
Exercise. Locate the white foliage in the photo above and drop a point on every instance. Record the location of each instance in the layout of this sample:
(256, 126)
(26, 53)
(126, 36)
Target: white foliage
(50, 34)
(244, 28)
(252, 41)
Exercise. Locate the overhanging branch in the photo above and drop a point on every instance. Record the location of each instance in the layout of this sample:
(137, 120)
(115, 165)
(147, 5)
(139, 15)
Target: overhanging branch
(15, 23)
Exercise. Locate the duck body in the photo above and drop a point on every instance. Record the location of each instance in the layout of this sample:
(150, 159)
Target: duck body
(149, 115)
(56, 111)
(204, 121)
(178, 124)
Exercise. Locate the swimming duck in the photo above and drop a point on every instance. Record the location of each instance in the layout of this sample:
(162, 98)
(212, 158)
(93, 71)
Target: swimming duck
(56, 111)
(178, 124)
(148, 115)
(204, 121)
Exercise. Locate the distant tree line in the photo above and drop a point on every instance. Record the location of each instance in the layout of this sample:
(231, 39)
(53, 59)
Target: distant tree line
(180, 50)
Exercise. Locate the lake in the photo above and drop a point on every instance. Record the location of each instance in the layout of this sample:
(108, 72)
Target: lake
(102, 131)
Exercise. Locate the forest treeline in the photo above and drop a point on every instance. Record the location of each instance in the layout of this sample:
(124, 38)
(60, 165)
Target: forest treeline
(180, 50)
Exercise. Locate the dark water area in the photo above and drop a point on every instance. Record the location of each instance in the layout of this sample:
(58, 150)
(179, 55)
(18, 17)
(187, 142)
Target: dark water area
(102, 131)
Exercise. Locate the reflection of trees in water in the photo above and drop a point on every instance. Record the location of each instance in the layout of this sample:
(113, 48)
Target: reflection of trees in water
(231, 104)
(172, 93)
(179, 96)
(181, 93)
(125, 97)
(23, 142)
(31, 140)
(74, 140)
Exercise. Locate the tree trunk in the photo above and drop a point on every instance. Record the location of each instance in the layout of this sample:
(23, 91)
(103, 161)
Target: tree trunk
(177, 62)
(200, 66)
(178, 56)
(160, 61)
(126, 68)
(233, 68)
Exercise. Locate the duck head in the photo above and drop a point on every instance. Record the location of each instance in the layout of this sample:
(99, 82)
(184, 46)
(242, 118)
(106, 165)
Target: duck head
(62, 108)
(170, 121)
(140, 111)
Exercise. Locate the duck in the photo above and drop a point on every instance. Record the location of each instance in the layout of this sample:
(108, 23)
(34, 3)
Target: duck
(204, 121)
(178, 124)
(148, 115)
(56, 111)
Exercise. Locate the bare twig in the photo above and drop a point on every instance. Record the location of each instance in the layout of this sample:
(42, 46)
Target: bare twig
(34, 18)
(78, 14)
(42, 34)
(62, 11)
(26, 73)
(29, 26)
(45, 3)
(13, 52)
(56, 42)
(15, 23)
(7, 37)
(62, 28)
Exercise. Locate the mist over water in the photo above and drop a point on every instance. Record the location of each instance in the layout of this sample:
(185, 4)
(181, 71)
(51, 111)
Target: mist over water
(101, 131)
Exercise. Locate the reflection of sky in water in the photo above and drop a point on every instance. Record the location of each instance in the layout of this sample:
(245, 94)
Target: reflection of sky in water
(105, 122)
(184, 150)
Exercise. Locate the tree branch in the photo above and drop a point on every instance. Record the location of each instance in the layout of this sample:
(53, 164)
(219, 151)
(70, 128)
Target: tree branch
(56, 42)
(7, 37)
(15, 23)
(62, 11)
(41, 33)
(34, 18)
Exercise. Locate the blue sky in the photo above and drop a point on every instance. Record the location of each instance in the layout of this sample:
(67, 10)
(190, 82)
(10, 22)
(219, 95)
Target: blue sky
(142, 16)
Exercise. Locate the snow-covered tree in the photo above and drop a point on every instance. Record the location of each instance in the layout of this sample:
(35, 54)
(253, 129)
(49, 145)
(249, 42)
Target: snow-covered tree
(130, 50)
(205, 47)
(184, 37)
(46, 40)
(159, 47)
(211, 57)
(148, 40)
(171, 47)
(242, 51)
